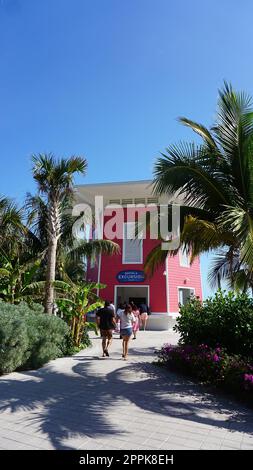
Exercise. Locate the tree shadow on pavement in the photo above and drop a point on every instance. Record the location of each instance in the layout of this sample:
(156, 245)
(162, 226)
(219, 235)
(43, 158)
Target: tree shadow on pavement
(75, 404)
(60, 405)
(168, 394)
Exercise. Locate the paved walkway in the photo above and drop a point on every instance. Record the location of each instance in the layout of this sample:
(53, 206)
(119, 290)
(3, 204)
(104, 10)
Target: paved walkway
(85, 402)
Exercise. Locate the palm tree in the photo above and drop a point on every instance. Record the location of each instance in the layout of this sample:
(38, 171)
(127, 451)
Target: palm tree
(12, 230)
(67, 255)
(215, 179)
(55, 183)
(71, 254)
(16, 278)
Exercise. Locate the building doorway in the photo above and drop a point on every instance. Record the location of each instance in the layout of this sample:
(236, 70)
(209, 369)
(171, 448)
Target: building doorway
(136, 294)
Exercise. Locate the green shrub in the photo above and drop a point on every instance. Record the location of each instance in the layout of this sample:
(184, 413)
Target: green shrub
(29, 338)
(13, 341)
(69, 346)
(225, 319)
(46, 334)
(86, 342)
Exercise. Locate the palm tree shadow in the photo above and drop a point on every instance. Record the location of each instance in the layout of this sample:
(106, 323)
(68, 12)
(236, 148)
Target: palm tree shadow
(62, 406)
(73, 405)
(171, 395)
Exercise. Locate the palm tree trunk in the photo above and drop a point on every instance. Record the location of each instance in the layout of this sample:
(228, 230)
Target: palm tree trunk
(50, 276)
(54, 232)
(12, 294)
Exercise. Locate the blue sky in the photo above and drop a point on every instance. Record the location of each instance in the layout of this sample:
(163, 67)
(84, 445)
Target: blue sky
(107, 79)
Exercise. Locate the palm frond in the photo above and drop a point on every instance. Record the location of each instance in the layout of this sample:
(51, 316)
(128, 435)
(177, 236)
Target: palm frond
(154, 260)
(200, 130)
(223, 268)
(202, 235)
(190, 171)
(217, 177)
(93, 248)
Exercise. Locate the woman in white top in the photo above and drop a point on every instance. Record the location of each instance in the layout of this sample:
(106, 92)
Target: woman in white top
(127, 320)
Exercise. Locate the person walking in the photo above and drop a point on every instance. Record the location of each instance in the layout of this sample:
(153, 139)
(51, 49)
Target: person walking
(112, 306)
(144, 311)
(106, 321)
(127, 319)
(136, 325)
(120, 309)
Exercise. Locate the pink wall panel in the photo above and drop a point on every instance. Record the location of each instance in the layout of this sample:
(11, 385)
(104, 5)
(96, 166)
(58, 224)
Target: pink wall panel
(178, 276)
(182, 277)
(112, 265)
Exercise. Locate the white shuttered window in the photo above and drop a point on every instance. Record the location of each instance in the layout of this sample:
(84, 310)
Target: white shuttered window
(132, 248)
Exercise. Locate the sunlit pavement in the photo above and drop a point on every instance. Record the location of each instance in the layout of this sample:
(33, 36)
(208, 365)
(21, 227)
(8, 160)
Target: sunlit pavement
(86, 402)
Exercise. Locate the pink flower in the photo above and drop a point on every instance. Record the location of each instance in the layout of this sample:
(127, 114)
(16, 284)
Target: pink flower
(248, 378)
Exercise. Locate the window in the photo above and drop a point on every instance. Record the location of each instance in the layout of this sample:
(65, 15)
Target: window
(184, 259)
(132, 247)
(184, 294)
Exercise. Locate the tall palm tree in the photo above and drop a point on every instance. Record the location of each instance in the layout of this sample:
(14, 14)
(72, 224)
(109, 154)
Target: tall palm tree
(54, 178)
(215, 179)
(67, 255)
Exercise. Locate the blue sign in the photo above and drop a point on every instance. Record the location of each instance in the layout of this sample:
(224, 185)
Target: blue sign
(131, 276)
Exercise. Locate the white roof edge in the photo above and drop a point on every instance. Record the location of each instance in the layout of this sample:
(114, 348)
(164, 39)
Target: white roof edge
(114, 183)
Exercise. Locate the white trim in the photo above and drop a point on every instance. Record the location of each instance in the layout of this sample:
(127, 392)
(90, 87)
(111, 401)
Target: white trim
(184, 287)
(131, 262)
(201, 280)
(123, 247)
(130, 285)
(100, 255)
(115, 183)
(167, 284)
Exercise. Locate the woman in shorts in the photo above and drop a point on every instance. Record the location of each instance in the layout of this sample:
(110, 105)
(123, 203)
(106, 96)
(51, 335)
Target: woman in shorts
(144, 310)
(127, 320)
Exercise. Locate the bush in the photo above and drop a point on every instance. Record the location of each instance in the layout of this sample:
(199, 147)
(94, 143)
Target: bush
(225, 319)
(29, 338)
(47, 339)
(13, 341)
(70, 348)
(209, 365)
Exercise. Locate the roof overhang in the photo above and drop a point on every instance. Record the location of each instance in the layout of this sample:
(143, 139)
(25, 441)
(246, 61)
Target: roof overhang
(127, 189)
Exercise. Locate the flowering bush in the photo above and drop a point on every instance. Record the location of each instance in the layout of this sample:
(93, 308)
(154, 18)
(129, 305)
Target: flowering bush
(248, 381)
(210, 365)
(226, 319)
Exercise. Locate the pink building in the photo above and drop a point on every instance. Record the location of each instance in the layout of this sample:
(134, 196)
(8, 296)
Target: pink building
(123, 274)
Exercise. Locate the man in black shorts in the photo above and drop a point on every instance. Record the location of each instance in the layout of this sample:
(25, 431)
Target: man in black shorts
(106, 321)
